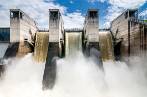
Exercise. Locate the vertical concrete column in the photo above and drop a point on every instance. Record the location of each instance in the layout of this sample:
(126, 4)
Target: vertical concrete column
(91, 31)
(56, 29)
(55, 48)
(22, 30)
(14, 25)
(22, 27)
(91, 36)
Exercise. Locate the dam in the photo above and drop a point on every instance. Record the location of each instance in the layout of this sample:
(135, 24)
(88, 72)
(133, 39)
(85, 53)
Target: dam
(56, 42)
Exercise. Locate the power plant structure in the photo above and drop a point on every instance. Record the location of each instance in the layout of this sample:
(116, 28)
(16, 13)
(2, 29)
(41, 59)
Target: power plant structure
(126, 37)
(129, 35)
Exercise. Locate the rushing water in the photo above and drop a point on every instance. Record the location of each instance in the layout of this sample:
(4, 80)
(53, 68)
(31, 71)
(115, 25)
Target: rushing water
(77, 76)
(41, 46)
(73, 43)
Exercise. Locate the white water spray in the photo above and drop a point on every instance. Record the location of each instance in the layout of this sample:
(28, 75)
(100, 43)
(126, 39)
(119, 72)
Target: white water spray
(76, 77)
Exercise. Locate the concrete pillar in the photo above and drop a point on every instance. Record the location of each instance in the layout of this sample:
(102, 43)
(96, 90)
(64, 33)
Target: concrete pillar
(91, 31)
(22, 27)
(91, 36)
(91, 26)
(55, 48)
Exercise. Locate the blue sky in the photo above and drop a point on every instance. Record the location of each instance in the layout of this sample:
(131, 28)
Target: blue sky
(143, 11)
(73, 11)
(83, 5)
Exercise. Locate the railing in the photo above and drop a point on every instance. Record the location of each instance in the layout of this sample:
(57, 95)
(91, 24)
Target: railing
(43, 30)
(132, 19)
(105, 29)
(74, 30)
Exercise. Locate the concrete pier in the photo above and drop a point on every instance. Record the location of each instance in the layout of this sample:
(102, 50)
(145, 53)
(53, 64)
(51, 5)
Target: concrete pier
(22, 27)
(91, 26)
(91, 32)
(55, 48)
(22, 30)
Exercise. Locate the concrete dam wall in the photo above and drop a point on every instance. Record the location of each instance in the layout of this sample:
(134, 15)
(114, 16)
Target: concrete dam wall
(56, 42)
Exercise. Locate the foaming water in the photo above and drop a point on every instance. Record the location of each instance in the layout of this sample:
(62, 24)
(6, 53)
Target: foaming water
(23, 78)
(76, 77)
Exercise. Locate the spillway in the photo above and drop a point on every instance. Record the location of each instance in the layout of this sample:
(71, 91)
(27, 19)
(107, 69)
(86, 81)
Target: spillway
(73, 43)
(106, 46)
(41, 46)
(76, 75)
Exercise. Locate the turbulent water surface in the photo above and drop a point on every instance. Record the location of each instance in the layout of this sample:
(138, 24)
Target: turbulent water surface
(76, 77)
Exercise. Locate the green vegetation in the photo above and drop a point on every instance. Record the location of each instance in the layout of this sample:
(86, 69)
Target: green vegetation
(145, 20)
